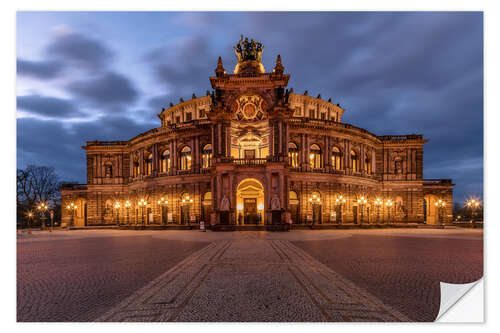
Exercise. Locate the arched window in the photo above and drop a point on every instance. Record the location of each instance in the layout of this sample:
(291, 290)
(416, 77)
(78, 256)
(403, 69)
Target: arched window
(293, 197)
(315, 156)
(354, 161)
(368, 164)
(137, 169)
(206, 156)
(336, 158)
(149, 164)
(185, 158)
(165, 161)
(293, 154)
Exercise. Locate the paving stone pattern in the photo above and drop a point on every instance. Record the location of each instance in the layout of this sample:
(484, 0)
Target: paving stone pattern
(189, 276)
(251, 280)
(403, 272)
(77, 280)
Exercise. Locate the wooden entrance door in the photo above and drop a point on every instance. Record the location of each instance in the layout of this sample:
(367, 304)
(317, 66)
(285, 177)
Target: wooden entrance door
(294, 212)
(224, 217)
(316, 214)
(185, 214)
(164, 214)
(250, 210)
(207, 209)
(355, 214)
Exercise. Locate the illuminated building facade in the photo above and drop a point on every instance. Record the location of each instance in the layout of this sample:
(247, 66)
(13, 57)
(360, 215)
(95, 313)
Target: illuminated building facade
(253, 152)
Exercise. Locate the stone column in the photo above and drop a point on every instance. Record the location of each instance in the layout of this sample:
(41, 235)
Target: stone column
(141, 161)
(174, 156)
(193, 153)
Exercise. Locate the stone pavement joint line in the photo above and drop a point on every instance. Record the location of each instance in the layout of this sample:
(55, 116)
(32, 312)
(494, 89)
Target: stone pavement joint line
(251, 281)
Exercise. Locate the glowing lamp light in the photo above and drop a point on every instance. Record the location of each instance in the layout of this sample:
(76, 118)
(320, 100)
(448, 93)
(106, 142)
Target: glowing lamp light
(311, 157)
(260, 206)
(71, 206)
(440, 203)
(339, 200)
(127, 204)
(362, 200)
(239, 207)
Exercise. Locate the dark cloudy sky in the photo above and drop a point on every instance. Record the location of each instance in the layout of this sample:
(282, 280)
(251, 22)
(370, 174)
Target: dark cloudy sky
(105, 76)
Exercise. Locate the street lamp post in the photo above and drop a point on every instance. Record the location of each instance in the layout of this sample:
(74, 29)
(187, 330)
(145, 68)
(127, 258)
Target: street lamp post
(117, 207)
(127, 206)
(388, 204)
(340, 201)
(378, 202)
(42, 208)
(314, 200)
(440, 204)
(362, 202)
(142, 204)
(72, 209)
(187, 201)
(162, 202)
(30, 218)
(473, 205)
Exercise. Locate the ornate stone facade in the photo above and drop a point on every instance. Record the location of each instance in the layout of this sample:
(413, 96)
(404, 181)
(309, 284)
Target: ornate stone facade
(253, 152)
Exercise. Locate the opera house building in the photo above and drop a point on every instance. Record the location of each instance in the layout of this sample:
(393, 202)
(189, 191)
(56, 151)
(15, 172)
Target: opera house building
(254, 152)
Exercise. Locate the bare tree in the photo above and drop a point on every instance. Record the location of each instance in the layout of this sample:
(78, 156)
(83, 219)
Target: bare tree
(35, 184)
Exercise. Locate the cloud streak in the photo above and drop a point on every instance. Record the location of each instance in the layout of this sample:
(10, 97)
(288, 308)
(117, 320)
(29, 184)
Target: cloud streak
(394, 73)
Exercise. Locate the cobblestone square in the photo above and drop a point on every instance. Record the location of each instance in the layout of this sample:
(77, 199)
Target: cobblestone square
(304, 276)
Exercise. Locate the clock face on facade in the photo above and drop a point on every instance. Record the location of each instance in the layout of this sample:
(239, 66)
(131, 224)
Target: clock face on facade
(249, 107)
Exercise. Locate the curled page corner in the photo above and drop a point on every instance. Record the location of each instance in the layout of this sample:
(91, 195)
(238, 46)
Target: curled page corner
(451, 294)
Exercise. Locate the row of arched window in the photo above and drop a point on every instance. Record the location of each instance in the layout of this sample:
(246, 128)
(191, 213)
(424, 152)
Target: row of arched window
(316, 158)
(166, 160)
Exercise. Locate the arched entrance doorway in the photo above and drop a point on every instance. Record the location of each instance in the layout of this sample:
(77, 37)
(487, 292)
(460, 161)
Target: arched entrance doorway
(206, 207)
(250, 202)
(80, 214)
(431, 211)
(186, 209)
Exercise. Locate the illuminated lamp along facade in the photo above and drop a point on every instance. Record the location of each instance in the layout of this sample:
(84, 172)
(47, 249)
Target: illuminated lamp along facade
(253, 152)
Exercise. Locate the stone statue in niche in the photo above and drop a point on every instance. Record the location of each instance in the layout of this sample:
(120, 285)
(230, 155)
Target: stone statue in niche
(108, 171)
(398, 166)
(224, 204)
(275, 203)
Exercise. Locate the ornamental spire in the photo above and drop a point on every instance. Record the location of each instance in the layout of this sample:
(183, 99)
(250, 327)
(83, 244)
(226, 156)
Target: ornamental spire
(220, 71)
(278, 69)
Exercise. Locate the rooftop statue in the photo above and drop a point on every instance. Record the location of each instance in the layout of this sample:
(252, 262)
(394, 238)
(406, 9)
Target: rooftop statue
(249, 51)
